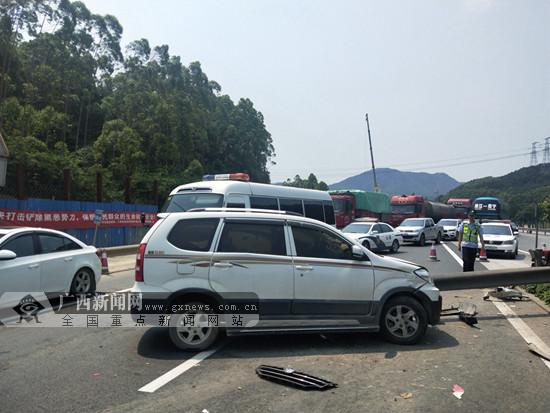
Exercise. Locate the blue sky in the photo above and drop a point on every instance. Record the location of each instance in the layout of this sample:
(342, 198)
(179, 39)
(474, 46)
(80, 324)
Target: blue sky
(444, 82)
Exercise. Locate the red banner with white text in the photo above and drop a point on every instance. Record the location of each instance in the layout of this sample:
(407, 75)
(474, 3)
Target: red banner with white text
(72, 219)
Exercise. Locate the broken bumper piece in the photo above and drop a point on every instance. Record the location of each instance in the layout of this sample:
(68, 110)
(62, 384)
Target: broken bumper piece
(293, 378)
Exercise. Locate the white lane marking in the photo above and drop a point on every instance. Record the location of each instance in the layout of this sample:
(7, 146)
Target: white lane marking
(453, 254)
(521, 327)
(524, 252)
(177, 371)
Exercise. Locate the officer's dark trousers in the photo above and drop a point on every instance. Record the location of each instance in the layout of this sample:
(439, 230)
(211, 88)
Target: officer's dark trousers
(469, 258)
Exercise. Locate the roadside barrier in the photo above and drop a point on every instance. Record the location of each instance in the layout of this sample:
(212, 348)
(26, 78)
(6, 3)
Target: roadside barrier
(491, 278)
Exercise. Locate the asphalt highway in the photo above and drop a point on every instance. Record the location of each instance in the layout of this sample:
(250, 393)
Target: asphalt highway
(108, 369)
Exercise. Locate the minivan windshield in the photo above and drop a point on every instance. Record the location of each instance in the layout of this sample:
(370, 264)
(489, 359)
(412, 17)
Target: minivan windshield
(186, 201)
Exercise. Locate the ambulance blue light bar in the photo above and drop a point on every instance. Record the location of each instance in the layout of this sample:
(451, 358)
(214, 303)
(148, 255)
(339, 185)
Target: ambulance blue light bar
(227, 177)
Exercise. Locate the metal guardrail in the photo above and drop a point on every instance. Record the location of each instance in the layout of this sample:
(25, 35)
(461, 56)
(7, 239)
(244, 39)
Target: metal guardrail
(492, 278)
(531, 230)
(121, 250)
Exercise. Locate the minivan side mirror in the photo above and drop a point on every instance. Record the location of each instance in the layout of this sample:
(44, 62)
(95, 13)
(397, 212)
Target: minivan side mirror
(357, 252)
(7, 255)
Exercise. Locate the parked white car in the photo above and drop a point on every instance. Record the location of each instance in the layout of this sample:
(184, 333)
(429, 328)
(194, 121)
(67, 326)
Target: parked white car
(500, 238)
(450, 228)
(45, 260)
(306, 275)
(376, 236)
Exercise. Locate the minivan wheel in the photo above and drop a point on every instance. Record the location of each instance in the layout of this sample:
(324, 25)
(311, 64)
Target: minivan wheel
(83, 282)
(404, 320)
(422, 241)
(438, 239)
(394, 246)
(192, 336)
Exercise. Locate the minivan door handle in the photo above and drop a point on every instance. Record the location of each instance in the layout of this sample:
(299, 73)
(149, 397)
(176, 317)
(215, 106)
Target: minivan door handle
(223, 264)
(33, 266)
(304, 268)
(68, 259)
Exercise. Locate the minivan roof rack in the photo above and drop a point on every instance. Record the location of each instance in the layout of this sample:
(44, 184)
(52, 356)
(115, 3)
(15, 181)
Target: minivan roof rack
(256, 211)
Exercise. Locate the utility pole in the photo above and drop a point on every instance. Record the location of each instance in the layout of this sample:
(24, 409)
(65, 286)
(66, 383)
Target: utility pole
(534, 153)
(376, 189)
(546, 155)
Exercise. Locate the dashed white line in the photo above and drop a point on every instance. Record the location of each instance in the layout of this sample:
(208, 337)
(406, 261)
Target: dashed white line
(521, 327)
(177, 371)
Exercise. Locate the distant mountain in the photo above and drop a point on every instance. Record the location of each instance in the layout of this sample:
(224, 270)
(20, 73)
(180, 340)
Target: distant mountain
(518, 190)
(396, 182)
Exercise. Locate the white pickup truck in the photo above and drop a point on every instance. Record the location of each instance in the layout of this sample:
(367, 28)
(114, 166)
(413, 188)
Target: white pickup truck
(420, 230)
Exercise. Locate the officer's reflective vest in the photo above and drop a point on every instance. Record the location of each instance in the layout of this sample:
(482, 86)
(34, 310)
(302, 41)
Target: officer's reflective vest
(468, 235)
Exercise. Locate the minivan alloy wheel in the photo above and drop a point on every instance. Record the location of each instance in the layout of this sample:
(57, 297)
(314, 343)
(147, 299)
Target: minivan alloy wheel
(196, 334)
(402, 321)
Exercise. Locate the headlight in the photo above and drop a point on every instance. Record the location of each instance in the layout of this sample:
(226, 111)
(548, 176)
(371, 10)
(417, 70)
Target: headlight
(424, 274)
(508, 242)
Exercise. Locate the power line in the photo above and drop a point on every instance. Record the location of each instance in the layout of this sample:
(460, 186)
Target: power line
(436, 166)
(420, 164)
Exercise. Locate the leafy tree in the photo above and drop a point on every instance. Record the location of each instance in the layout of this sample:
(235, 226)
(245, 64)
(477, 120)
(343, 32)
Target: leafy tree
(310, 183)
(65, 84)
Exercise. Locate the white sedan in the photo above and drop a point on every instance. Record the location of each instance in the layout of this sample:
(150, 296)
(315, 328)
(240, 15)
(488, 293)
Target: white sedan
(500, 238)
(45, 260)
(376, 236)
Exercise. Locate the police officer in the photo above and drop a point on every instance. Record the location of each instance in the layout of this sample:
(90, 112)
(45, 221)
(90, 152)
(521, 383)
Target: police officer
(468, 234)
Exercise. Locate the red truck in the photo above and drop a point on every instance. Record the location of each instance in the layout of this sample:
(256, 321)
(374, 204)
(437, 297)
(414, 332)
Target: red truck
(416, 206)
(462, 206)
(350, 204)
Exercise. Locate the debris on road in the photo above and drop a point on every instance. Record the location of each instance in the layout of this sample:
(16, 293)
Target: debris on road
(406, 395)
(458, 391)
(466, 313)
(544, 353)
(291, 377)
(504, 293)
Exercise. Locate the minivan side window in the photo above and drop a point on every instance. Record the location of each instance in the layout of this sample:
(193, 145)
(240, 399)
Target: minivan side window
(314, 209)
(329, 212)
(291, 205)
(254, 238)
(318, 243)
(22, 245)
(193, 234)
(263, 202)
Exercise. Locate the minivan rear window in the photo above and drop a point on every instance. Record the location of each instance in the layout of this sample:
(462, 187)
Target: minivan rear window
(186, 201)
(193, 234)
(254, 238)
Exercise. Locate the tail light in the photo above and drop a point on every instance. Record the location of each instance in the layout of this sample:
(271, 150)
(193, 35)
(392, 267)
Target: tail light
(139, 262)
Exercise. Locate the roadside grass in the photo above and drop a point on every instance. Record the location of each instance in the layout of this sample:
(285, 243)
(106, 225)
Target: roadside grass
(542, 291)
